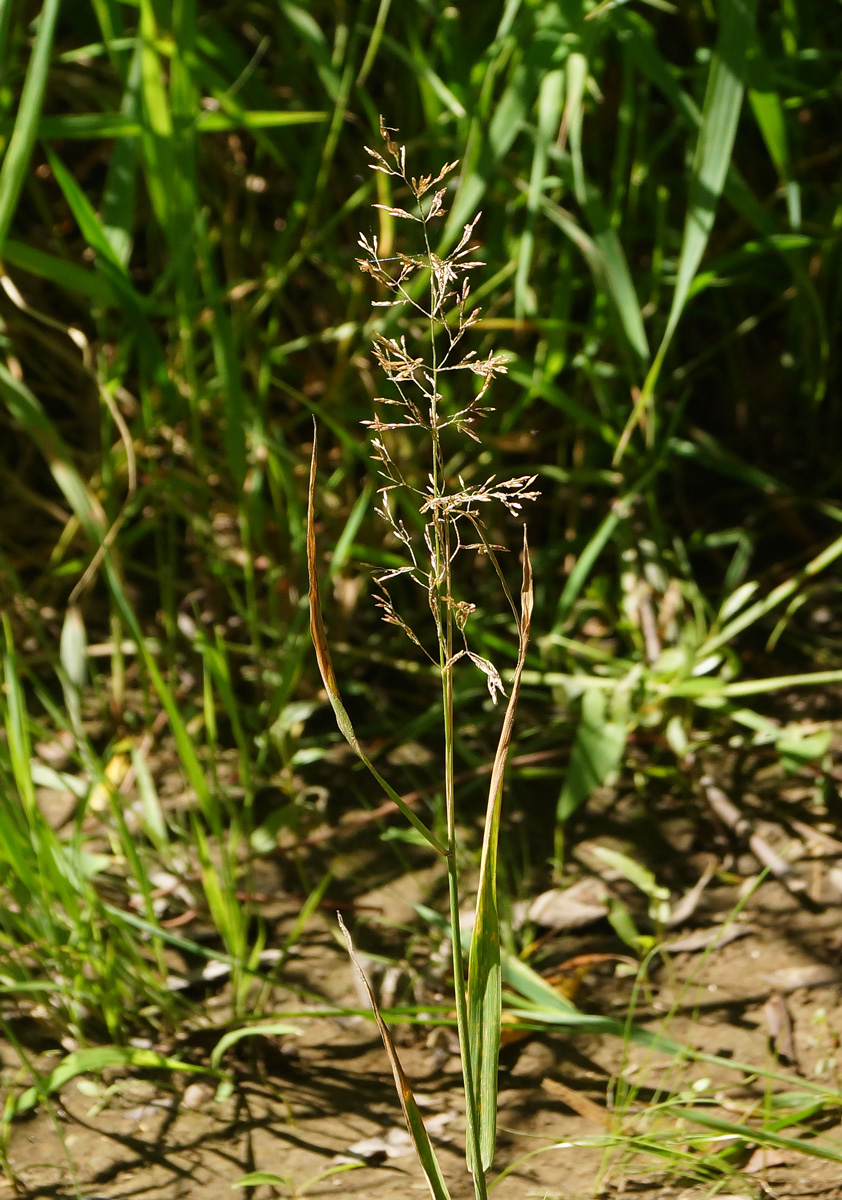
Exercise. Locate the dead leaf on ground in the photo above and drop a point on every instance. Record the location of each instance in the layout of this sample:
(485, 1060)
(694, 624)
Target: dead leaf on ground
(765, 1157)
(787, 979)
(570, 908)
(707, 939)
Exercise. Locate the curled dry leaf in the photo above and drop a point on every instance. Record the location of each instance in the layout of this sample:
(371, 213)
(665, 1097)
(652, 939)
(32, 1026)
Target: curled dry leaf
(683, 910)
(780, 1027)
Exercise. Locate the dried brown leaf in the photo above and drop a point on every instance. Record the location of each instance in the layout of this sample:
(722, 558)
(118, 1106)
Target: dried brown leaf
(409, 1105)
(320, 644)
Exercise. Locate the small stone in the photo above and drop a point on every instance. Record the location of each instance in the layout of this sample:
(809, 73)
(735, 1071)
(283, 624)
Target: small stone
(196, 1095)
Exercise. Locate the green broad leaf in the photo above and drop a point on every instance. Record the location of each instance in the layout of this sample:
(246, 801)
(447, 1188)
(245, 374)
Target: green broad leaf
(597, 752)
(797, 748)
(635, 872)
(81, 1062)
(264, 837)
(622, 922)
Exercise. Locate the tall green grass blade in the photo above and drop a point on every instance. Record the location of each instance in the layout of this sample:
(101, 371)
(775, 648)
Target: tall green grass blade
(585, 562)
(503, 128)
(16, 159)
(484, 980)
(66, 275)
(435, 91)
(771, 121)
(313, 37)
(615, 275)
(227, 362)
(717, 131)
(374, 41)
(118, 198)
(5, 14)
(112, 263)
(17, 728)
(269, 1029)
(608, 266)
(758, 1135)
(96, 125)
(89, 223)
(720, 115)
(110, 20)
(782, 592)
(545, 1004)
(549, 117)
(29, 413)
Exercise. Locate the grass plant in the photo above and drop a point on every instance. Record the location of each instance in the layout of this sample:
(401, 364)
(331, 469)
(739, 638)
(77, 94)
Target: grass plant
(449, 511)
(180, 195)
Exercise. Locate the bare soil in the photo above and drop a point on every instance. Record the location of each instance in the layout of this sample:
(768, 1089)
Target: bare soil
(303, 1105)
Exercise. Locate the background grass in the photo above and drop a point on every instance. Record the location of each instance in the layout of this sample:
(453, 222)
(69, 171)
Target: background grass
(180, 197)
